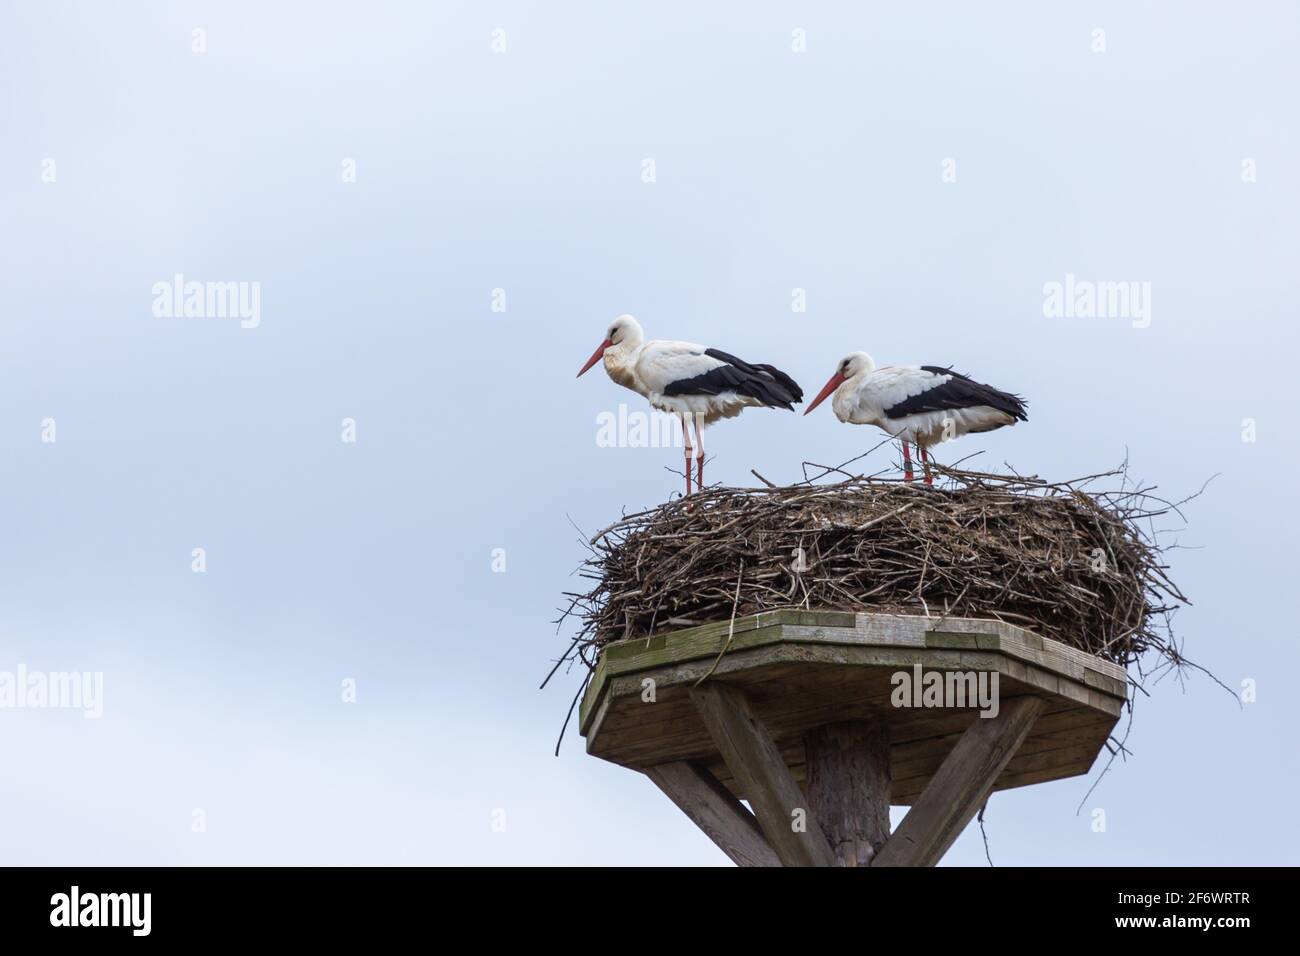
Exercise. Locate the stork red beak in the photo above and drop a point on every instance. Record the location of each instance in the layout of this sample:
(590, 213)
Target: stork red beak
(836, 381)
(595, 357)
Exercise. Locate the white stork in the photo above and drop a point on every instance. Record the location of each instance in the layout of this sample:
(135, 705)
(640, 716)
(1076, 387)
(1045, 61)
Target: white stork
(923, 404)
(690, 381)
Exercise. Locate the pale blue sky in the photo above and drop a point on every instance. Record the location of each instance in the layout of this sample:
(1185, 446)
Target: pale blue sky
(522, 171)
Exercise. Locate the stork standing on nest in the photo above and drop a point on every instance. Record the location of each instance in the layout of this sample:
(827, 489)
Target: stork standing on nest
(690, 381)
(921, 404)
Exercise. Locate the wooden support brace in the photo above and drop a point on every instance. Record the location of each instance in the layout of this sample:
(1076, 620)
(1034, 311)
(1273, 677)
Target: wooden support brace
(714, 809)
(758, 768)
(960, 786)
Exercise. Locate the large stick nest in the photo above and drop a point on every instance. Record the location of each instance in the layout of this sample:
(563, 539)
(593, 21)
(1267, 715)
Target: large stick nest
(1081, 567)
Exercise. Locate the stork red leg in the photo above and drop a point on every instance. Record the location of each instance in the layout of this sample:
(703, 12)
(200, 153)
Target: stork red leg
(907, 463)
(686, 440)
(699, 457)
(925, 463)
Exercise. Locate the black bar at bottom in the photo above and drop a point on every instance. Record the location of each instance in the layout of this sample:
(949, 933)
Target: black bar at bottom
(207, 905)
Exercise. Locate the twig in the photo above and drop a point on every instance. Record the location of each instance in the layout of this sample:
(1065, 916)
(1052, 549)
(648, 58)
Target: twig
(984, 833)
(572, 704)
(731, 630)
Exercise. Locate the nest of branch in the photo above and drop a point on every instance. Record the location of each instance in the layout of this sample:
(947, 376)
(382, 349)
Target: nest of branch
(1079, 566)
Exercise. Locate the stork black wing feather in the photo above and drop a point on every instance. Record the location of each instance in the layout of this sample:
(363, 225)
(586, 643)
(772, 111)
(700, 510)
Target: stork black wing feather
(764, 383)
(960, 391)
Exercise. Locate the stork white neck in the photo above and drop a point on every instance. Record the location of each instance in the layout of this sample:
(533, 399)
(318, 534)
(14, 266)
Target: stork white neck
(855, 367)
(625, 337)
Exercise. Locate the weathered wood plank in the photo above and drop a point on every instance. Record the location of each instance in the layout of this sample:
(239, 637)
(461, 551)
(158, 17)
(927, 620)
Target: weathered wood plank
(672, 646)
(848, 787)
(714, 810)
(960, 785)
(958, 640)
(756, 763)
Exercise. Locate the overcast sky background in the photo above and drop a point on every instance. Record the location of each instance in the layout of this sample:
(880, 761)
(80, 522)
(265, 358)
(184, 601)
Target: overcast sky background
(522, 171)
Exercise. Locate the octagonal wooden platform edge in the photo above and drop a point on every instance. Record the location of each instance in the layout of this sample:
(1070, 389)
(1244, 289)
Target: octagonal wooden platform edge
(804, 669)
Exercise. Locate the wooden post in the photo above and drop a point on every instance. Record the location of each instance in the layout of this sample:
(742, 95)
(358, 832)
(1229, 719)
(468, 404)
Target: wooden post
(960, 786)
(848, 787)
(753, 758)
(714, 810)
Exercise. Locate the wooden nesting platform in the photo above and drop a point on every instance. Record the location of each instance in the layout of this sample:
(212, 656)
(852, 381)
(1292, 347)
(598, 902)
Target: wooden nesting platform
(797, 718)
